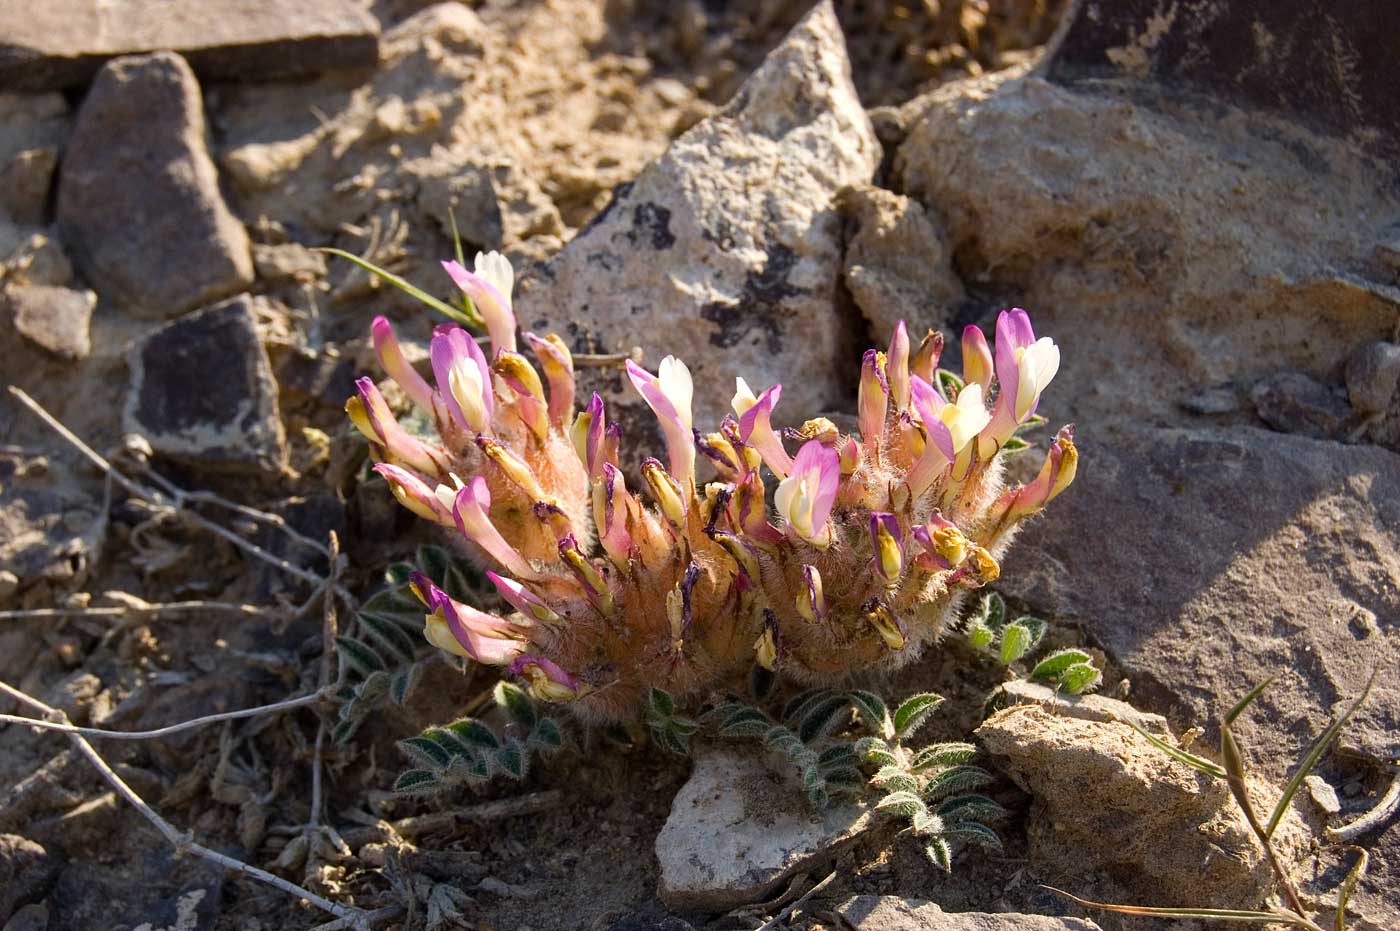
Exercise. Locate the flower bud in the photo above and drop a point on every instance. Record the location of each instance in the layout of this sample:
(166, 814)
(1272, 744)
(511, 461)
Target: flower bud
(887, 542)
(811, 602)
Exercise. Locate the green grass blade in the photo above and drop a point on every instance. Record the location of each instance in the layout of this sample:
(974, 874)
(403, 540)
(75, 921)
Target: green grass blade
(467, 304)
(403, 285)
(1313, 755)
(1190, 759)
(1245, 702)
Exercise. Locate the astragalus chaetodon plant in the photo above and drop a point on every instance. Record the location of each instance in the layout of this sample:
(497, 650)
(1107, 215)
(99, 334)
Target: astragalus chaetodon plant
(854, 563)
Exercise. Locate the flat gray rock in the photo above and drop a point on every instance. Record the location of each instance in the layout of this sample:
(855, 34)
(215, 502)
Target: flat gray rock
(62, 43)
(893, 913)
(202, 392)
(138, 195)
(726, 251)
(1083, 707)
(1205, 561)
(738, 830)
(58, 319)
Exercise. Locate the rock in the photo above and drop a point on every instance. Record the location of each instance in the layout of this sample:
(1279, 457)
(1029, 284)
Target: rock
(288, 261)
(1322, 794)
(49, 529)
(39, 260)
(738, 830)
(57, 319)
(29, 918)
(24, 184)
(203, 392)
(138, 197)
(62, 43)
(1083, 707)
(26, 870)
(1232, 555)
(1292, 402)
(1159, 247)
(1212, 402)
(893, 913)
(1107, 800)
(1373, 373)
(726, 251)
(644, 919)
(898, 266)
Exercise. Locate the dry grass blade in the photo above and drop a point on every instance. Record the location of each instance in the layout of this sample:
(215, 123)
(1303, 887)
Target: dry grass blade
(1357, 871)
(403, 285)
(1313, 755)
(1221, 914)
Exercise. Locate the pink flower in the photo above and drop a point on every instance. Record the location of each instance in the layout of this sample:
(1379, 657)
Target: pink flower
(806, 496)
(463, 378)
(977, 358)
(370, 414)
(471, 510)
(874, 398)
(897, 367)
(521, 598)
(887, 541)
(668, 394)
(414, 493)
(547, 680)
(463, 630)
(391, 359)
(489, 289)
(558, 365)
(756, 425)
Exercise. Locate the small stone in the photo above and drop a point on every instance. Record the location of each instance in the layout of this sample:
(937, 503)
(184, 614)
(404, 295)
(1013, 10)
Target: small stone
(1108, 800)
(1292, 402)
(1084, 707)
(40, 260)
(138, 199)
(893, 913)
(898, 264)
(1323, 795)
(26, 869)
(61, 43)
(1212, 401)
(57, 319)
(288, 261)
(739, 828)
(25, 183)
(74, 694)
(203, 391)
(1373, 373)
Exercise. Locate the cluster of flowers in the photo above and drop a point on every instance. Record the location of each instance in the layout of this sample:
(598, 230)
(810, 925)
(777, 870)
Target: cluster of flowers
(869, 545)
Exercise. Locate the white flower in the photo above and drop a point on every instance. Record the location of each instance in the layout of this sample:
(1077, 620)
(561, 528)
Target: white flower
(675, 382)
(497, 270)
(966, 418)
(1036, 365)
(744, 398)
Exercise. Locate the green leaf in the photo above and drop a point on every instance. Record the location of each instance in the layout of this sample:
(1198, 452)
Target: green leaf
(516, 703)
(902, 803)
(1197, 763)
(781, 739)
(358, 656)
(913, 711)
(1013, 445)
(895, 779)
(1015, 642)
(451, 742)
(417, 293)
(957, 779)
(994, 611)
(979, 637)
(818, 797)
(427, 751)
(474, 733)
(1247, 700)
(845, 781)
(390, 636)
(747, 722)
(971, 807)
(403, 682)
(926, 822)
(1054, 664)
(970, 832)
(512, 758)
(798, 705)
(949, 384)
(435, 561)
(661, 703)
(940, 854)
(872, 711)
(944, 754)
(823, 717)
(1036, 626)
(1314, 754)
(546, 735)
(1080, 678)
(874, 751)
(345, 730)
(399, 607)
(416, 782)
(398, 573)
(838, 756)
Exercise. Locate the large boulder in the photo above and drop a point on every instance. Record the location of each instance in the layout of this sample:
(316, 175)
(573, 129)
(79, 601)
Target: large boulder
(726, 251)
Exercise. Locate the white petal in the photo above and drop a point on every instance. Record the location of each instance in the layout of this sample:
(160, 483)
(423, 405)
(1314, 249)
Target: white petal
(744, 398)
(676, 384)
(496, 269)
